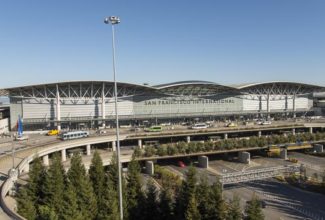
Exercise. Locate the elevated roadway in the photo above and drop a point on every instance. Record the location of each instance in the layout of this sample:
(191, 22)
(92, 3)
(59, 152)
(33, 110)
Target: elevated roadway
(25, 155)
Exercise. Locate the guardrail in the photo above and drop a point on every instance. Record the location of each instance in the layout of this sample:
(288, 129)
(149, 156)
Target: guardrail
(5, 188)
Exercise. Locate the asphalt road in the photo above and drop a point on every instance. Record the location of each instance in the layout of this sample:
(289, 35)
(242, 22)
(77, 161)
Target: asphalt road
(283, 201)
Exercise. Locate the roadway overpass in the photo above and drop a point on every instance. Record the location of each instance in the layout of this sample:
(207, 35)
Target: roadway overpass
(27, 155)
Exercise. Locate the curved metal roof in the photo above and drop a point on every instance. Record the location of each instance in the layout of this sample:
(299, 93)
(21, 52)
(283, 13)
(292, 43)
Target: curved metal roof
(255, 84)
(194, 88)
(279, 87)
(76, 89)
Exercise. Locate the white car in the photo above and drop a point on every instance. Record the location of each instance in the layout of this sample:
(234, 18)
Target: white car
(21, 138)
(266, 122)
(200, 126)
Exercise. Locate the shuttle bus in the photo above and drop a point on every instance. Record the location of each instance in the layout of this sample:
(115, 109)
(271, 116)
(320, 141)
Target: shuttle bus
(73, 135)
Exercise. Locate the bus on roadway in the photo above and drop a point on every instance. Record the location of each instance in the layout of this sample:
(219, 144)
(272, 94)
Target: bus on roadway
(73, 135)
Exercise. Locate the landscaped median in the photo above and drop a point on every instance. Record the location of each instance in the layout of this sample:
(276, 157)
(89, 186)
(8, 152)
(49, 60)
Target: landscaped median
(232, 144)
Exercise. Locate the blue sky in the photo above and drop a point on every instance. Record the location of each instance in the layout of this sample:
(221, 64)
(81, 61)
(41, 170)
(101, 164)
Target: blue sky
(224, 41)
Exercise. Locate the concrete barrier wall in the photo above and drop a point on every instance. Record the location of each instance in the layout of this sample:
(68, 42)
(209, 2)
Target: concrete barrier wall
(5, 188)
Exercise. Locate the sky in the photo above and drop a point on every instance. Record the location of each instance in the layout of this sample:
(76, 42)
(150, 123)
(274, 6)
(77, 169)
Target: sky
(161, 41)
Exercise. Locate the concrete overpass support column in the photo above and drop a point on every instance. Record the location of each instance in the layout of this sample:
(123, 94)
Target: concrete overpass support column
(204, 162)
(188, 139)
(103, 106)
(150, 168)
(113, 146)
(46, 160)
(318, 148)
(63, 155)
(259, 134)
(88, 148)
(311, 130)
(139, 143)
(284, 154)
(58, 108)
(293, 131)
(225, 136)
(244, 157)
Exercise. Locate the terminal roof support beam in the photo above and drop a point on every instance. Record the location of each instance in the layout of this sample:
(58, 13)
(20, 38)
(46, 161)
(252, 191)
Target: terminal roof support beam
(58, 108)
(103, 105)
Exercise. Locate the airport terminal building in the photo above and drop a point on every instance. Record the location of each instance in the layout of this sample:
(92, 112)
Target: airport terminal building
(91, 103)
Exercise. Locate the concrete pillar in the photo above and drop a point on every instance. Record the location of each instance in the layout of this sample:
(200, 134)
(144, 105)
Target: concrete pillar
(259, 134)
(294, 105)
(139, 143)
(318, 148)
(284, 154)
(268, 106)
(150, 168)
(46, 160)
(311, 130)
(244, 157)
(103, 106)
(260, 108)
(188, 139)
(113, 145)
(63, 155)
(58, 108)
(293, 131)
(204, 162)
(88, 148)
(225, 136)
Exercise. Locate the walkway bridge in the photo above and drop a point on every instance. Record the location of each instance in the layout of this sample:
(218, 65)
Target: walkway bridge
(258, 174)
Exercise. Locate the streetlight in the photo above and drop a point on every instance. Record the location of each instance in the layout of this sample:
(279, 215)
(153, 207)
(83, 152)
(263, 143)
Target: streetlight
(115, 20)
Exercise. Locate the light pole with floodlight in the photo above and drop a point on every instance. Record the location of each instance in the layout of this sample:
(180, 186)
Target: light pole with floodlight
(113, 20)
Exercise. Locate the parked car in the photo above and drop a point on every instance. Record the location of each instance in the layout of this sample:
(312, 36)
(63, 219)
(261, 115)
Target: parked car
(231, 125)
(181, 164)
(21, 138)
(266, 122)
(53, 132)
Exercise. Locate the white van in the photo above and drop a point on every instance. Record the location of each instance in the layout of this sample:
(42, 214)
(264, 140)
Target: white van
(200, 126)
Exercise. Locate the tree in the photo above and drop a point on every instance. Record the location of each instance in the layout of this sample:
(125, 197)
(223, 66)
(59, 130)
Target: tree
(53, 186)
(81, 185)
(254, 209)
(97, 177)
(203, 191)
(166, 205)
(134, 192)
(216, 205)
(25, 204)
(36, 179)
(70, 209)
(186, 193)
(192, 212)
(234, 211)
(47, 213)
(113, 178)
(109, 210)
(151, 203)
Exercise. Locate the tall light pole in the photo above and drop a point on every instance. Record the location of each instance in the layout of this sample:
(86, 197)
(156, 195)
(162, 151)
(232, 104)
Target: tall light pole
(113, 20)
